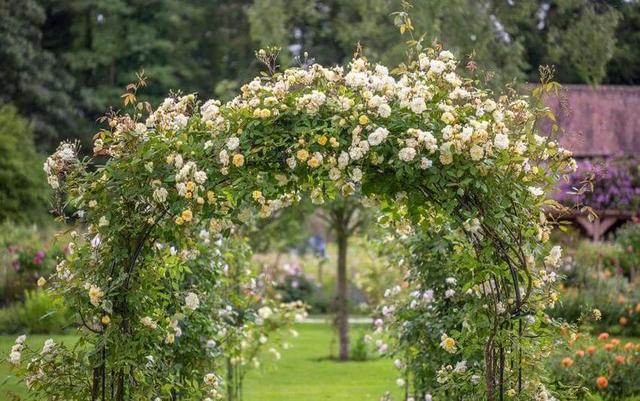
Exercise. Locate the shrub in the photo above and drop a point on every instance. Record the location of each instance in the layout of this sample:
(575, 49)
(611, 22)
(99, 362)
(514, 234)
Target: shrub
(628, 239)
(27, 256)
(41, 313)
(361, 350)
(607, 368)
(22, 181)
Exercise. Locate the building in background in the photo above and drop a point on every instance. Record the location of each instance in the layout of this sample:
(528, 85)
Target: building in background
(602, 127)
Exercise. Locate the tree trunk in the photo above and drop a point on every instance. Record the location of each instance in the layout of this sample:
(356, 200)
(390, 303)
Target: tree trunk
(342, 295)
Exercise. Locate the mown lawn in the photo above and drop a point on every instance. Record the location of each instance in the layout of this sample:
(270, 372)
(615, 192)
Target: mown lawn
(304, 373)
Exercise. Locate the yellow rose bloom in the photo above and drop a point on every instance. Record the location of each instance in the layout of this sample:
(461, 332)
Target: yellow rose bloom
(447, 117)
(256, 195)
(448, 344)
(302, 155)
(363, 120)
(106, 320)
(179, 221)
(188, 195)
(322, 140)
(187, 215)
(238, 160)
(41, 282)
(446, 158)
(211, 197)
(265, 113)
(334, 142)
(313, 162)
(200, 200)
(191, 186)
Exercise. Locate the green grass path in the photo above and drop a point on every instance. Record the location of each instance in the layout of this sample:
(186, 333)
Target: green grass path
(303, 374)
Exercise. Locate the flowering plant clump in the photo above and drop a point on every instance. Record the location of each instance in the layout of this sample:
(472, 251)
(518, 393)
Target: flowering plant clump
(441, 157)
(603, 184)
(605, 366)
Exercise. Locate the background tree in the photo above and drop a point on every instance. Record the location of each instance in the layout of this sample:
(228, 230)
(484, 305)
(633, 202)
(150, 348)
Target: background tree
(31, 77)
(344, 216)
(22, 182)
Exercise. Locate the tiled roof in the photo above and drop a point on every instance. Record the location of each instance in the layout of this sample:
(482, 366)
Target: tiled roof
(602, 121)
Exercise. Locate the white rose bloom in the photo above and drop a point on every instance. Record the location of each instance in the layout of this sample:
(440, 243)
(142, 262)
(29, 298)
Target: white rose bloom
(192, 301)
(535, 191)
(489, 105)
(177, 161)
(14, 357)
(180, 121)
(445, 55)
(501, 141)
(356, 174)
(407, 154)
(461, 367)
(437, 66)
(384, 110)
(553, 259)
(233, 143)
(466, 134)
(449, 293)
(21, 339)
(160, 195)
(200, 177)
(265, 312)
(476, 152)
(426, 138)
(224, 157)
(49, 345)
(343, 160)
(418, 105)
(378, 136)
(425, 163)
(334, 174)
(53, 182)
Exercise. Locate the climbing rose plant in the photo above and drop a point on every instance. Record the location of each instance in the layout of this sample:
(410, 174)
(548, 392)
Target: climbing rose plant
(440, 157)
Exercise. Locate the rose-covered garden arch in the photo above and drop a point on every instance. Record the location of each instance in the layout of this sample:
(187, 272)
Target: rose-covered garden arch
(460, 173)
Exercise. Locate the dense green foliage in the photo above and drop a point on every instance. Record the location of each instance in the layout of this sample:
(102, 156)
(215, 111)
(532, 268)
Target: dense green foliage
(41, 313)
(22, 182)
(307, 371)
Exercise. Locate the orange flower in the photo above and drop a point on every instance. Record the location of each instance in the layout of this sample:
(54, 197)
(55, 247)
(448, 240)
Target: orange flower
(638, 307)
(580, 353)
(608, 346)
(567, 362)
(602, 382)
(623, 321)
(591, 349)
(603, 336)
(620, 359)
(628, 346)
(615, 342)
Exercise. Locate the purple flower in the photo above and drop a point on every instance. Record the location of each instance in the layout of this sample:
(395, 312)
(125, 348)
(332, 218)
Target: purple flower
(616, 185)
